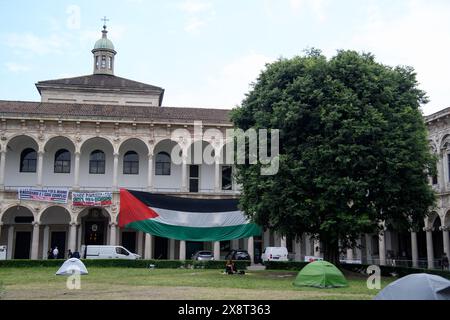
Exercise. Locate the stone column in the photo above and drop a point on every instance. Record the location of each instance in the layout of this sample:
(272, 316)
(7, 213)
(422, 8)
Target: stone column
(308, 251)
(40, 163)
(283, 242)
(148, 251)
(184, 177)
(414, 250)
(182, 250)
(369, 250)
(446, 239)
(216, 245)
(234, 244)
(382, 248)
(251, 249)
(350, 254)
(172, 249)
(2, 168)
(10, 242)
(112, 233)
(45, 243)
(317, 248)
(430, 253)
(140, 249)
(35, 241)
(266, 239)
(73, 236)
(80, 230)
(1, 226)
(76, 171)
(298, 250)
(116, 171)
(150, 172)
(217, 187)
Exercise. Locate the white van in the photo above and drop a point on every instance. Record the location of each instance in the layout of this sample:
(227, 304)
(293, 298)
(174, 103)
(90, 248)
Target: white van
(275, 254)
(108, 252)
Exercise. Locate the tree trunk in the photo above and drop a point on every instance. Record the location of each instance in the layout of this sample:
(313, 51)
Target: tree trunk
(331, 251)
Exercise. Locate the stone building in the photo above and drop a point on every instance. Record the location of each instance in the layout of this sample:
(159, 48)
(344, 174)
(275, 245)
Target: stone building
(101, 132)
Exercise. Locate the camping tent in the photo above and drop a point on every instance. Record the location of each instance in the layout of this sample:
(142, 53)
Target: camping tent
(71, 266)
(417, 286)
(320, 274)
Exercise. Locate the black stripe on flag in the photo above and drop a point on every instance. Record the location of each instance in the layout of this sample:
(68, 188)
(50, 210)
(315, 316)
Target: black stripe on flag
(161, 201)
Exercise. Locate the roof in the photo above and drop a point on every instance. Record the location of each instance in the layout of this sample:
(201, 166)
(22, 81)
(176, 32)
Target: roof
(26, 109)
(435, 116)
(104, 43)
(101, 81)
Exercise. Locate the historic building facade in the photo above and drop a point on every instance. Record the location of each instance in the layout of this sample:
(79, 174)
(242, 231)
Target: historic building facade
(100, 133)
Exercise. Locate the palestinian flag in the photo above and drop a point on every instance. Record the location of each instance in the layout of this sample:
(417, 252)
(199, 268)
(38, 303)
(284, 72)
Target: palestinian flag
(184, 218)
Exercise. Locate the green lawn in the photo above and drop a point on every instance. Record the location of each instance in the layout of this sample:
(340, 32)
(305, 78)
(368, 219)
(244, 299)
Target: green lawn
(131, 283)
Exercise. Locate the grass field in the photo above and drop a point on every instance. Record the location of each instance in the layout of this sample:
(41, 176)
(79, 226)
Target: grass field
(153, 284)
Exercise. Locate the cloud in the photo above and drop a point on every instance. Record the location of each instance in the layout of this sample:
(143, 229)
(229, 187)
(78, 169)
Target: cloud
(225, 88)
(277, 9)
(31, 43)
(16, 67)
(419, 38)
(198, 14)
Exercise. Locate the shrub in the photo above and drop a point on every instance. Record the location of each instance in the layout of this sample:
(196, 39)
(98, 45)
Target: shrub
(285, 265)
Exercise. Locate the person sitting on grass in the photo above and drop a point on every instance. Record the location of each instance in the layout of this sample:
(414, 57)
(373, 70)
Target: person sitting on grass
(230, 267)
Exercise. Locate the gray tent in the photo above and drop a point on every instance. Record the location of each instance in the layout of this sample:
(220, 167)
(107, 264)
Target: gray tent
(417, 286)
(72, 266)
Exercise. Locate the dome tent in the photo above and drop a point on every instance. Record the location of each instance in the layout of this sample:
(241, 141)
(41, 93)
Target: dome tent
(72, 266)
(321, 274)
(416, 286)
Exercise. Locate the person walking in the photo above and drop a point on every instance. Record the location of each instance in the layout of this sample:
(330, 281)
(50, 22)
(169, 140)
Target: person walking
(70, 254)
(444, 261)
(55, 253)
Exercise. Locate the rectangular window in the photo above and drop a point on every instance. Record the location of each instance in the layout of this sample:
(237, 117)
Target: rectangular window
(97, 167)
(435, 179)
(28, 165)
(194, 177)
(227, 180)
(131, 167)
(62, 166)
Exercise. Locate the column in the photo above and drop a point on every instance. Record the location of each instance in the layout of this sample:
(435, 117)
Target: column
(148, 250)
(1, 226)
(298, 249)
(266, 239)
(140, 249)
(369, 257)
(184, 177)
(182, 250)
(446, 239)
(414, 250)
(116, 171)
(45, 243)
(358, 249)
(35, 242)
(76, 171)
(2, 168)
(172, 249)
(283, 242)
(80, 230)
(234, 244)
(216, 250)
(72, 236)
(150, 172)
(442, 173)
(307, 245)
(251, 249)
(350, 255)
(317, 248)
(10, 242)
(217, 187)
(382, 248)
(430, 254)
(112, 234)
(40, 163)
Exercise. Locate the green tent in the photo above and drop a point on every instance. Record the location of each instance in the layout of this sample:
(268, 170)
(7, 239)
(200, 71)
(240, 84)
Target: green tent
(320, 274)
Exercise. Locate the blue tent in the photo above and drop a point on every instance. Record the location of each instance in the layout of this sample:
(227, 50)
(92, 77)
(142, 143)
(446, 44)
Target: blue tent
(417, 286)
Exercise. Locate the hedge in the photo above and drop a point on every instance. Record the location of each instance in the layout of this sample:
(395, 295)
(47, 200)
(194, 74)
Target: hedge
(386, 271)
(122, 263)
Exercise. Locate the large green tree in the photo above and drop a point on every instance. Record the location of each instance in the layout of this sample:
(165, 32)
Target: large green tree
(353, 148)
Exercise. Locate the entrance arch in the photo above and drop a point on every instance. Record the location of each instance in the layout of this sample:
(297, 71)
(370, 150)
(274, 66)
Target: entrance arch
(94, 225)
(18, 222)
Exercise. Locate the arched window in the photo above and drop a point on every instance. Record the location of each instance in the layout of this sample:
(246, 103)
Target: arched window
(103, 62)
(28, 160)
(162, 164)
(97, 162)
(131, 163)
(62, 161)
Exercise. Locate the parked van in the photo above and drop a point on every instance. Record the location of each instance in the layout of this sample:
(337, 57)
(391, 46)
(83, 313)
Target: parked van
(108, 252)
(275, 254)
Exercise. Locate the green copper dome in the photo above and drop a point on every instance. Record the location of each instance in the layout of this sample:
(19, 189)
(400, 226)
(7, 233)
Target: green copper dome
(104, 43)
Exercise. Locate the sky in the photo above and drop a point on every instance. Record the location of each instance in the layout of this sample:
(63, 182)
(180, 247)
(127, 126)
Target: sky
(206, 53)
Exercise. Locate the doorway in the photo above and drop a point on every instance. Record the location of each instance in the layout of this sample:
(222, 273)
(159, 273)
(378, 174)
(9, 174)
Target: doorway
(161, 248)
(129, 240)
(192, 247)
(23, 245)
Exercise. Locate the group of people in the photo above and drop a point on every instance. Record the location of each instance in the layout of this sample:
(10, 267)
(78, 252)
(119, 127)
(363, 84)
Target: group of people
(54, 254)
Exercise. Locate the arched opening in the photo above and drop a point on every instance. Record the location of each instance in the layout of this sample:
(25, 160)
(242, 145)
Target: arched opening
(96, 164)
(201, 165)
(18, 221)
(21, 162)
(95, 226)
(438, 240)
(171, 182)
(58, 166)
(55, 221)
(133, 164)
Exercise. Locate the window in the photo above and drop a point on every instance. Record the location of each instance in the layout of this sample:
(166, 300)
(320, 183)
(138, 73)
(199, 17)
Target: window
(162, 164)
(62, 161)
(28, 160)
(97, 162)
(434, 179)
(97, 64)
(109, 63)
(103, 61)
(227, 183)
(194, 177)
(131, 163)
(120, 250)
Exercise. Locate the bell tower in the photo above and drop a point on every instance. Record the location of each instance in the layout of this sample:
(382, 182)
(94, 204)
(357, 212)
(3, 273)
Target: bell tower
(104, 53)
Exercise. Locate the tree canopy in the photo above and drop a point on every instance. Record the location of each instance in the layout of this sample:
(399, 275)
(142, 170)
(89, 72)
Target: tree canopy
(353, 148)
